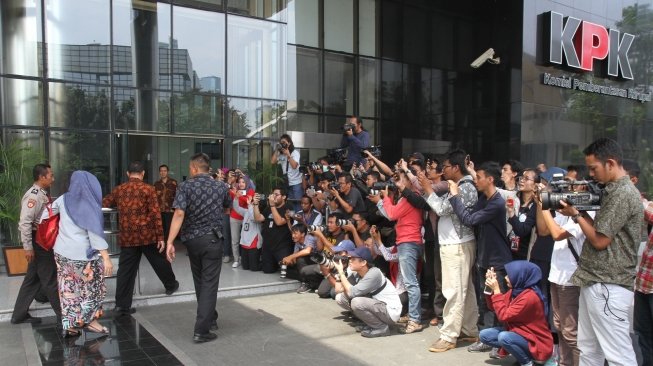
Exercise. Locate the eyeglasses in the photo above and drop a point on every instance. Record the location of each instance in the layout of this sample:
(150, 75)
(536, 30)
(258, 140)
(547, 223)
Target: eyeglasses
(525, 178)
(446, 166)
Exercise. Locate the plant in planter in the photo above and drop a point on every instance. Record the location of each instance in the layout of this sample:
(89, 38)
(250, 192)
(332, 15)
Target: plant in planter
(265, 175)
(16, 162)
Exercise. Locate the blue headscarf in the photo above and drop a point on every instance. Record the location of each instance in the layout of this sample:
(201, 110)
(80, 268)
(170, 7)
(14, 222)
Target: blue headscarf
(83, 202)
(525, 275)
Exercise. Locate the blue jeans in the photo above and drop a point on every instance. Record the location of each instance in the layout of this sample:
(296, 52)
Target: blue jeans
(512, 342)
(409, 255)
(295, 194)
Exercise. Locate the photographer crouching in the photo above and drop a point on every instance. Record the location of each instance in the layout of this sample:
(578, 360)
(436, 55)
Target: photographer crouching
(606, 269)
(372, 298)
(286, 156)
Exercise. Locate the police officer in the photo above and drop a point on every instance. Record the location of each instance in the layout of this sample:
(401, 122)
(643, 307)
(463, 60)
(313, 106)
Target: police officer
(41, 269)
(198, 205)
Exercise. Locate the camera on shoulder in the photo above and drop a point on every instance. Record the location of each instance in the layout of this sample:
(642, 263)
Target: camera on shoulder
(563, 190)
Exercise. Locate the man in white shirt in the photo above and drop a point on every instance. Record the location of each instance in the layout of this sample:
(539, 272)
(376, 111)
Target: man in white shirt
(286, 156)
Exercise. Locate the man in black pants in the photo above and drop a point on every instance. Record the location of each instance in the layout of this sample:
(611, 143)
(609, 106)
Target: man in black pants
(141, 232)
(41, 270)
(277, 240)
(198, 215)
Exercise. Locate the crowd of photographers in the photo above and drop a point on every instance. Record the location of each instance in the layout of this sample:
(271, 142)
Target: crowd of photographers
(542, 260)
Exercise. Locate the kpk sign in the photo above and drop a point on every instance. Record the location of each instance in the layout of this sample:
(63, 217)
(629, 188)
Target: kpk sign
(582, 42)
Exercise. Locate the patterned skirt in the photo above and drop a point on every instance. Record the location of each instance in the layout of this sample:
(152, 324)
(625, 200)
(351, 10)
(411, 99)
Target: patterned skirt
(81, 290)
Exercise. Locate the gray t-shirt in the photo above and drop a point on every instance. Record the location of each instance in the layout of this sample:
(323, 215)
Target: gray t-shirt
(355, 200)
(620, 219)
(372, 281)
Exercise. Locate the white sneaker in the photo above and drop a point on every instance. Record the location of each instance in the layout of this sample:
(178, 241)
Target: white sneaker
(234, 265)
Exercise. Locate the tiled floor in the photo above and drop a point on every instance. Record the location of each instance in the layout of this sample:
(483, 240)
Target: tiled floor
(128, 344)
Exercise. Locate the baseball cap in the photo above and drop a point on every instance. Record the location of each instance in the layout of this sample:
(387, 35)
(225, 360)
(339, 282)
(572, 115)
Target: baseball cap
(362, 253)
(548, 175)
(417, 155)
(344, 246)
(327, 176)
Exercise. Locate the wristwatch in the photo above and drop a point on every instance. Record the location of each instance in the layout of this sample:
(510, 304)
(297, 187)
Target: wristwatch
(576, 216)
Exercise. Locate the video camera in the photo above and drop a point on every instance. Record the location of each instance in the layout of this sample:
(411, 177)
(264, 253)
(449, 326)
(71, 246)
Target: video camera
(374, 150)
(328, 260)
(337, 155)
(589, 200)
(377, 187)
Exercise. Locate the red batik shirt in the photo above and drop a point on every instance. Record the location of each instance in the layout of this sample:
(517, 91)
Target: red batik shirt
(139, 217)
(165, 193)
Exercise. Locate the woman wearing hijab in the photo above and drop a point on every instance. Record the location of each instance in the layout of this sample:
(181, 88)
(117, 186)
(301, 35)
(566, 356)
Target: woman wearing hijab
(80, 252)
(523, 313)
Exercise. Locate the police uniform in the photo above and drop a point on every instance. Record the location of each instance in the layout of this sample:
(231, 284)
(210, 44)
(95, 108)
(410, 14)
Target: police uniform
(42, 270)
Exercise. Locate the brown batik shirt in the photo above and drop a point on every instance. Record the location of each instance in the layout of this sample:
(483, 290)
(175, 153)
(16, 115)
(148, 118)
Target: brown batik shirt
(139, 217)
(165, 193)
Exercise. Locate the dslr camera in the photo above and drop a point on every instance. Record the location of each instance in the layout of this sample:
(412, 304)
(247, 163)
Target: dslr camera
(313, 228)
(328, 260)
(281, 146)
(374, 150)
(337, 155)
(562, 190)
(348, 126)
(334, 185)
(380, 186)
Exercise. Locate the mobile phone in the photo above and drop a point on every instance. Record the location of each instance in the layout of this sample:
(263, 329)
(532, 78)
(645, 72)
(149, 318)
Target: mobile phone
(510, 202)
(487, 290)
(243, 192)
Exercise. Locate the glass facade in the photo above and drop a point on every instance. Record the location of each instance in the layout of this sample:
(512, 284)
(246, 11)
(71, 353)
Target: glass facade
(160, 80)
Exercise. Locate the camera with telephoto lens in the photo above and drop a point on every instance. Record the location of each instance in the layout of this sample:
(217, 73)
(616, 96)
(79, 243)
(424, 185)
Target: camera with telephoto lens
(315, 166)
(562, 190)
(337, 155)
(374, 150)
(283, 271)
(328, 260)
(313, 228)
(377, 187)
(348, 126)
(342, 222)
(334, 185)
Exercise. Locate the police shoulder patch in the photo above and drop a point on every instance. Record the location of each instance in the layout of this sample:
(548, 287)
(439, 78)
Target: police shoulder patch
(35, 191)
(31, 203)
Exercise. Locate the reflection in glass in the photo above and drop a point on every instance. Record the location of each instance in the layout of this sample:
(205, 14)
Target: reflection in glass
(78, 106)
(33, 138)
(339, 25)
(268, 9)
(255, 118)
(304, 22)
(126, 114)
(22, 102)
(77, 33)
(368, 86)
(367, 27)
(304, 84)
(257, 58)
(338, 84)
(195, 113)
(302, 122)
(141, 49)
(70, 151)
(198, 50)
(20, 37)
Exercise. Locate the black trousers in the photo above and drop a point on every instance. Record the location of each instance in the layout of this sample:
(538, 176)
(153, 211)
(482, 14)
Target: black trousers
(306, 271)
(41, 274)
(166, 218)
(205, 254)
(251, 259)
(130, 259)
(270, 258)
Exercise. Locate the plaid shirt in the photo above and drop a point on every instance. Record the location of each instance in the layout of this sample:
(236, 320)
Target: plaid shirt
(644, 280)
(139, 217)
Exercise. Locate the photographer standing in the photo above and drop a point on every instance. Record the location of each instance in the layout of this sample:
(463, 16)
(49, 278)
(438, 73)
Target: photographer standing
(286, 156)
(355, 139)
(606, 270)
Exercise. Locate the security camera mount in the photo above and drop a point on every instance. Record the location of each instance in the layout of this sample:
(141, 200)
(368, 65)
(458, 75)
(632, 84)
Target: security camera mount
(486, 56)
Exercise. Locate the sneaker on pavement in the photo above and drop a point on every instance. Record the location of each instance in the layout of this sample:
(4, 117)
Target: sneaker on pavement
(441, 346)
(235, 264)
(403, 320)
(226, 259)
(304, 288)
(498, 353)
(412, 327)
(467, 338)
(479, 347)
(363, 327)
(376, 332)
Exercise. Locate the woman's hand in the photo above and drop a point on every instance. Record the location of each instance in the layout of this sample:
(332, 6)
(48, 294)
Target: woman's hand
(108, 267)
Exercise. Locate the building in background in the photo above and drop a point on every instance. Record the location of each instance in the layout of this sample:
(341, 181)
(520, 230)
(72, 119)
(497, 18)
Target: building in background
(98, 83)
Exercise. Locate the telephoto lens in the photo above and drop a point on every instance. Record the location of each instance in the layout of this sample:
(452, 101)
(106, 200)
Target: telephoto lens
(284, 269)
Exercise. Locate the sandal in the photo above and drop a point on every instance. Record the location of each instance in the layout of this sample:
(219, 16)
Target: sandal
(92, 329)
(434, 322)
(71, 332)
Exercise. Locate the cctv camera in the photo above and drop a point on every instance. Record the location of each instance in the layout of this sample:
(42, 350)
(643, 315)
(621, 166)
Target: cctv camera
(486, 56)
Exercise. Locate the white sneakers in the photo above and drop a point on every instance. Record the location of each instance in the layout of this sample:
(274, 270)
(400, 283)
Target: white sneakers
(235, 265)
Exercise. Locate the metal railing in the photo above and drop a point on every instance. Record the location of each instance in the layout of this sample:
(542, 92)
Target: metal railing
(111, 231)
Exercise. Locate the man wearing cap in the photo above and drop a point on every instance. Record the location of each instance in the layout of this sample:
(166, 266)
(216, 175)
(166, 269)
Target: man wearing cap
(372, 297)
(328, 284)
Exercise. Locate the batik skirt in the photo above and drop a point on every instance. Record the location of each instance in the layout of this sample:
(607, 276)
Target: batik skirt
(81, 290)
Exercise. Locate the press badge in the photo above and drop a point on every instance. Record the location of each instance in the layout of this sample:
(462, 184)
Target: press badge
(522, 217)
(271, 224)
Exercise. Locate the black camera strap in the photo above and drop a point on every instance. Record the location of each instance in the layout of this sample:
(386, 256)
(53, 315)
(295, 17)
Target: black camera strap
(573, 251)
(378, 290)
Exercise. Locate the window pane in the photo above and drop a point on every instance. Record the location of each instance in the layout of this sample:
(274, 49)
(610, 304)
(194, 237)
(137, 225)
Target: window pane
(268, 9)
(198, 52)
(22, 102)
(77, 35)
(141, 52)
(304, 22)
(338, 84)
(304, 84)
(33, 138)
(20, 37)
(302, 122)
(79, 106)
(70, 151)
(367, 27)
(141, 110)
(195, 113)
(339, 25)
(257, 58)
(254, 118)
(368, 85)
